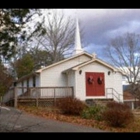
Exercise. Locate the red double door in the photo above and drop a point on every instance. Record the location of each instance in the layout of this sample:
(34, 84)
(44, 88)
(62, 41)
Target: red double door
(95, 84)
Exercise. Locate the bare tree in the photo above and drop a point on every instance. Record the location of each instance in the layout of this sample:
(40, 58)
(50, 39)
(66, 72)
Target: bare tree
(40, 56)
(124, 53)
(56, 35)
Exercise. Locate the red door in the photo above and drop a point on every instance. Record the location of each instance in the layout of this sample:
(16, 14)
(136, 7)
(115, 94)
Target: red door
(95, 85)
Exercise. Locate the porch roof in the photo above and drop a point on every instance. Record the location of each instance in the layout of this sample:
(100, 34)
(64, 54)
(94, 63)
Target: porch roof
(26, 77)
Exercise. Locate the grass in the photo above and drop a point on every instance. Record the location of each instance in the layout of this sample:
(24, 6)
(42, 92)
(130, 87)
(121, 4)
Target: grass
(54, 113)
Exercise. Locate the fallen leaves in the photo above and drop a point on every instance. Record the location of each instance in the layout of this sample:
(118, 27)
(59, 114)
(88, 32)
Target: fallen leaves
(54, 113)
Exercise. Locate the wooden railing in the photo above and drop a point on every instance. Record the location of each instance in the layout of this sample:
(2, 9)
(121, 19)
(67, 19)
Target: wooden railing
(37, 92)
(44, 92)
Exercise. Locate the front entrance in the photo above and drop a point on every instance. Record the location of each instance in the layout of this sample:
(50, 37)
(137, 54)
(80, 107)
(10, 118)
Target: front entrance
(95, 85)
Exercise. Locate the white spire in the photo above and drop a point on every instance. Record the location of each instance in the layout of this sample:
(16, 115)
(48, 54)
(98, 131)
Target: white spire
(78, 48)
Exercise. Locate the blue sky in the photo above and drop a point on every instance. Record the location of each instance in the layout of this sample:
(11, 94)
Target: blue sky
(100, 25)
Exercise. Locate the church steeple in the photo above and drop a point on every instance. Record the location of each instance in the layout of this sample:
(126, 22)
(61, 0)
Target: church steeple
(78, 48)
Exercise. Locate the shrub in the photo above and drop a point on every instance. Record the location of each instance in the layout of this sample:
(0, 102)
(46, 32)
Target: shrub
(71, 106)
(93, 112)
(117, 114)
(117, 105)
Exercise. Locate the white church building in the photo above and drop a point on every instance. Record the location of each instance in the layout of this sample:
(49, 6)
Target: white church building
(90, 77)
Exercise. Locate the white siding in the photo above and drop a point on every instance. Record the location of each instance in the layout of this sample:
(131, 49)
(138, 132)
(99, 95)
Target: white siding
(19, 91)
(37, 81)
(54, 77)
(118, 84)
(109, 80)
(24, 85)
(19, 84)
(31, 82)
(71, 80)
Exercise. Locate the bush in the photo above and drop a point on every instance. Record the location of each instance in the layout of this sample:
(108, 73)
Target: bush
(117, 114)
(117, 105)
(93, 112)
(71, 106)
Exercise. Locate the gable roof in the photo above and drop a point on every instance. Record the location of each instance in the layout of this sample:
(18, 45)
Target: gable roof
(89, 62)
(65, 60)
(55, 64)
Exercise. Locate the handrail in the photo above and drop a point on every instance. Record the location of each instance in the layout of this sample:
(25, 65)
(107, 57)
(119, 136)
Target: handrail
(114, 93)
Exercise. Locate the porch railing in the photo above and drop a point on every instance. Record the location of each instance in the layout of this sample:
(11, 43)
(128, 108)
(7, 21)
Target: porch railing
(112, 93)
(37, 92)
